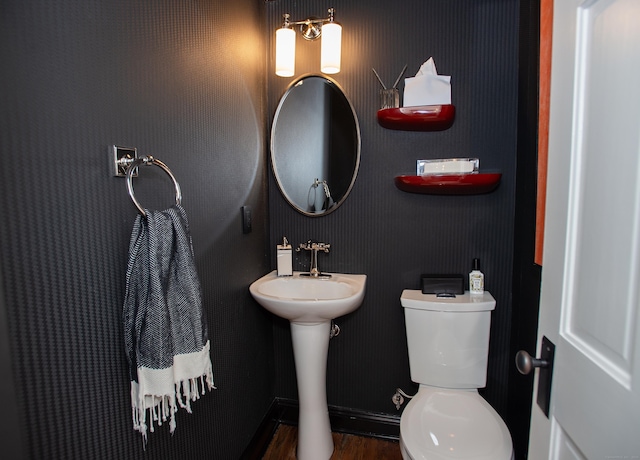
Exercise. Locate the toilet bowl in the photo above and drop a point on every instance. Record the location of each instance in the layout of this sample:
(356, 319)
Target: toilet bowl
(440, 424)
(448, 344)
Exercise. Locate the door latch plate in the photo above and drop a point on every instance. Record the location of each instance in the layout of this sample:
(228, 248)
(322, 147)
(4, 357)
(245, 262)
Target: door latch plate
(545, 374)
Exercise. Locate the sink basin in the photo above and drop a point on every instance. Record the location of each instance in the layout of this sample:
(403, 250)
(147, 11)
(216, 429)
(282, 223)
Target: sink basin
(310, 304)
(305, 299)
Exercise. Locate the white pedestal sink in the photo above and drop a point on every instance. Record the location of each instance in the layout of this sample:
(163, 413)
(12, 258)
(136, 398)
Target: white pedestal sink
(310, 303)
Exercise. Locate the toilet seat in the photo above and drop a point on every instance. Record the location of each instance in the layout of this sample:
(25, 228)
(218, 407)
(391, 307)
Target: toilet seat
(446, 424)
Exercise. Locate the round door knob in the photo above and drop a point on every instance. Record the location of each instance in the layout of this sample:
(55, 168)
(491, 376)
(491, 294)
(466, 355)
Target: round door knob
(526, 363)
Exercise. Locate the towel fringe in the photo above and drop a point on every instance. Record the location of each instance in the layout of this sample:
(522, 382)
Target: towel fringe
(164, 407)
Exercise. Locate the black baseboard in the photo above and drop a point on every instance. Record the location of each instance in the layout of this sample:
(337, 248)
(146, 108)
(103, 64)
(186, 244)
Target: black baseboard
(343, 420)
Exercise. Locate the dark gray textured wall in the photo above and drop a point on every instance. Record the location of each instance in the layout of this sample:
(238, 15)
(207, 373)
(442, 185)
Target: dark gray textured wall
(178, 80)
(183, 81)
(394, 236)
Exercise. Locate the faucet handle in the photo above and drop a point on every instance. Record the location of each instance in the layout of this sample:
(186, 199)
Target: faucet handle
(323, 247)
(306, 246)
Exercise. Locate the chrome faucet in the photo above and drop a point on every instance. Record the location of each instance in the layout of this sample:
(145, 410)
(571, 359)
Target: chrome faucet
(314, 248)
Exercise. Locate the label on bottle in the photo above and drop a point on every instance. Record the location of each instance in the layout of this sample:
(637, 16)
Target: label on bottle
(476, 282)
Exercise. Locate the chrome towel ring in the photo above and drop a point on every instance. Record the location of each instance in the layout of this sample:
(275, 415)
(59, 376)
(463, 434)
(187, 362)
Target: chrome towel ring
(149, 160)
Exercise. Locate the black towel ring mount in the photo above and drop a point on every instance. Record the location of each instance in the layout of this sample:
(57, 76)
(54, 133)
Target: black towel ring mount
(147, 160)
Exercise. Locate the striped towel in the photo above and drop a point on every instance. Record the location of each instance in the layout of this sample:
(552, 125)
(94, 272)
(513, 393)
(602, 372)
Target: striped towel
(165, 328)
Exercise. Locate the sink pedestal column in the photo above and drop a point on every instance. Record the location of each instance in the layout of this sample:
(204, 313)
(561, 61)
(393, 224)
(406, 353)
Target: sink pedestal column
(310, 349)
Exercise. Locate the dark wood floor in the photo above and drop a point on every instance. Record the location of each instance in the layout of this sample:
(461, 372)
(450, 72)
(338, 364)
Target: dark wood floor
(347, 446)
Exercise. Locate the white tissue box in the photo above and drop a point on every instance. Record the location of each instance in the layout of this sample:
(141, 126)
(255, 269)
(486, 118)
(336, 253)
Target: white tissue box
(427, 87)
(448, 166)
(427, 90)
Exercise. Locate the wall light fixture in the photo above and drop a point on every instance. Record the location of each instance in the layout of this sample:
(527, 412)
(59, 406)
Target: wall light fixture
(311, 29)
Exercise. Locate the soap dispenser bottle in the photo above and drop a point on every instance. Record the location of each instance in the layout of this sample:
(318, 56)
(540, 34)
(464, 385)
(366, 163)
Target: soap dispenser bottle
(476, 278)
(283, 258)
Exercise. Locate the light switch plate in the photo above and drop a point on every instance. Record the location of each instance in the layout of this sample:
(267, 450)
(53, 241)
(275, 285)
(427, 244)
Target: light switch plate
(246, 219)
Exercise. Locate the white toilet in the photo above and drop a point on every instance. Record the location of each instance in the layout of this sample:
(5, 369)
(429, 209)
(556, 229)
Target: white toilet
(448, 341)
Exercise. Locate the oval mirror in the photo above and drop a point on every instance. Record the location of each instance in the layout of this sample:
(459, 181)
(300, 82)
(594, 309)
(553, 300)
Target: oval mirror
(315, 145)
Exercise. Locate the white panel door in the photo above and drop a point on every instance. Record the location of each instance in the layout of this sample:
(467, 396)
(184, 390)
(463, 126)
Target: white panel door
(590, 295)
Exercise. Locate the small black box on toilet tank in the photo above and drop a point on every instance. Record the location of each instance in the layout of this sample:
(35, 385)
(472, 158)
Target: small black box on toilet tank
(442, 284)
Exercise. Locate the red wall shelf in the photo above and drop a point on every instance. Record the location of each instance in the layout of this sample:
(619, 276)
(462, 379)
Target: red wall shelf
(451, 184)
(419, 118)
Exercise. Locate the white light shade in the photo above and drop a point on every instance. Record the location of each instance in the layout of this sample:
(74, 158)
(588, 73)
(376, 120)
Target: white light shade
(331, 47)
(285, 52)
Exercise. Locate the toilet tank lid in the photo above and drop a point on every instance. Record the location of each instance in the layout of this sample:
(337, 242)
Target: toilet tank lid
(461, 303)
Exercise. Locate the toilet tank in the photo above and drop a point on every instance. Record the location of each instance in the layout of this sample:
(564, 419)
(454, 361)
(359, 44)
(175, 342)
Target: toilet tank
(448, 338)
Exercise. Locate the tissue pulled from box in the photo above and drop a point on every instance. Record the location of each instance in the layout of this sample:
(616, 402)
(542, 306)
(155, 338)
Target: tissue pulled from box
(447, 166)
(427, 87)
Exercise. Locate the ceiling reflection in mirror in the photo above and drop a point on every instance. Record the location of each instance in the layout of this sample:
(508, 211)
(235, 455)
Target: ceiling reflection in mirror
(315, 145)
